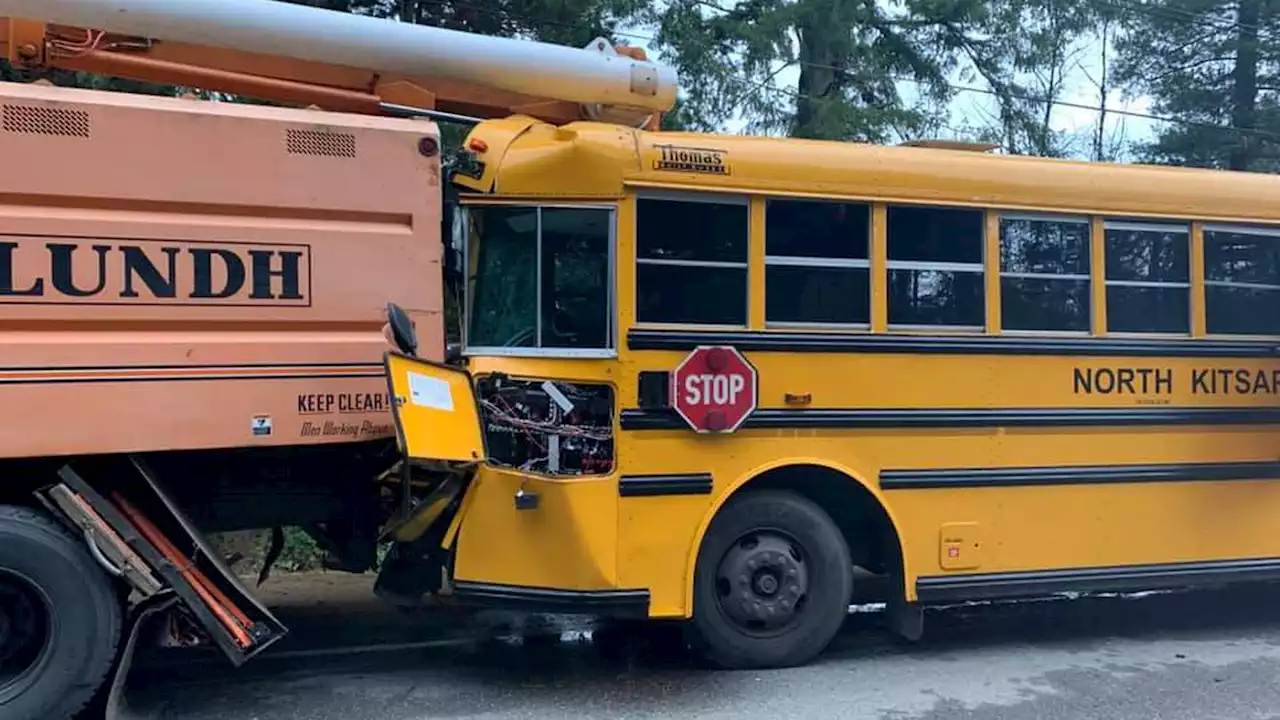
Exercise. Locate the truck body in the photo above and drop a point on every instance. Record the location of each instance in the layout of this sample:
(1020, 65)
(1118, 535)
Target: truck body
(179, 275)
(227, 265)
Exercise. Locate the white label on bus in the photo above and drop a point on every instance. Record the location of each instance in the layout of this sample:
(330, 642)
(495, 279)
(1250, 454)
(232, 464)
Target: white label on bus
(430, 392)
(708, 389)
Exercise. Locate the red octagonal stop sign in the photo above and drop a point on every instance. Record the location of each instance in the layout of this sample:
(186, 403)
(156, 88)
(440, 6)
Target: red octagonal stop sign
(714, 389)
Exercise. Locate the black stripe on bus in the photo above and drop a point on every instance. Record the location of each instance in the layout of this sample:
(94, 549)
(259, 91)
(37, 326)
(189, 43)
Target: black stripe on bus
(624, 603)
(875, 418)
(809, 342)
(933, 590)
(77, 374)
(187, 366)
(655, 485)
(186, 378)
(1075, 475)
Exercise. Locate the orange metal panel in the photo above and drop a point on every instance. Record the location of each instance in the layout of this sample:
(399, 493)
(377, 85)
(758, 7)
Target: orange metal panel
(184, 274)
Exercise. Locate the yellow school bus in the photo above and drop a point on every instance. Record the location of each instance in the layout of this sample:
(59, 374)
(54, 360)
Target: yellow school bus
(980, 376)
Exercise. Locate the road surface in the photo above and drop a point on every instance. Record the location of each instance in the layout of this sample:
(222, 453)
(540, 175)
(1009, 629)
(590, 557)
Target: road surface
(1203, 656)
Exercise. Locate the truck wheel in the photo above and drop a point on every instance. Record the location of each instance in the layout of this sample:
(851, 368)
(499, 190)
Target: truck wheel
(772, 583)
(60, 619)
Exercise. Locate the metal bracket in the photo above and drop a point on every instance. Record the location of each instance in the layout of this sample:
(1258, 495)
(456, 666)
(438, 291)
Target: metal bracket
(905, 619)
(117, 705)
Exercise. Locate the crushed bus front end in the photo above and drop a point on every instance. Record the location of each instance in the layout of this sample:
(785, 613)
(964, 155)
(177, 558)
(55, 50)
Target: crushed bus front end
(511, 487)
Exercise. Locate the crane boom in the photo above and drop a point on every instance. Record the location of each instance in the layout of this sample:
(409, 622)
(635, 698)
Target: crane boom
(293, 53)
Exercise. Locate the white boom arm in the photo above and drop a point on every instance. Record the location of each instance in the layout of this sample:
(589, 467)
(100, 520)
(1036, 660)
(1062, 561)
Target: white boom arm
(584, 76)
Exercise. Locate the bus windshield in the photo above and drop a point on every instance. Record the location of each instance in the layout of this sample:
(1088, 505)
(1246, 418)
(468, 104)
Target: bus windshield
(539, 279)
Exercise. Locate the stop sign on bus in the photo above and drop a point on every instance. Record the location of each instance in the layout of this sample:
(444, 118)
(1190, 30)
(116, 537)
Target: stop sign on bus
(714, 389)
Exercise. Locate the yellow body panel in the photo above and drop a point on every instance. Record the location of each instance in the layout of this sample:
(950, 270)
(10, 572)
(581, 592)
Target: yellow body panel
(897, 418)
(1023, 528)
(660, 533)
(567, 543)
(435, 410)
(530, 159)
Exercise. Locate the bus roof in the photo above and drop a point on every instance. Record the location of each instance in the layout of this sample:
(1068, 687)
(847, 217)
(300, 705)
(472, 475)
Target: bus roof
(527, 158)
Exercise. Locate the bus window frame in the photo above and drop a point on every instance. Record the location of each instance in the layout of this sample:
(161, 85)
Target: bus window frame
(981, 268)
(1085, 219)
(810, 261)
(681, 195)
(1156, 224)
(1272, 231)
(613, 333)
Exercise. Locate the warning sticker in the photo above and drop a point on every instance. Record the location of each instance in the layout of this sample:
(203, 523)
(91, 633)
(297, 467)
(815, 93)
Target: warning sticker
(260, 425)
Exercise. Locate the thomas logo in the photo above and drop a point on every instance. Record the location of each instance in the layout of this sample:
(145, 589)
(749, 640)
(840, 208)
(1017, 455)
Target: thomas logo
(674, 158)
(99, 271)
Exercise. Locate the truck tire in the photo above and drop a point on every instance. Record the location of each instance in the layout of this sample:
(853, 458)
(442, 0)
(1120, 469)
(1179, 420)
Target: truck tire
(60, 619)
(772, 582)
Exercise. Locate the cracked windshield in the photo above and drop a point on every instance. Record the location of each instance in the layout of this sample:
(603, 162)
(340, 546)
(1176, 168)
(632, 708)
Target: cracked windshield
(640, 359)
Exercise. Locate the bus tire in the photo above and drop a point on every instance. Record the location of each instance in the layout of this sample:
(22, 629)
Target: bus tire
(71, 610)
(772, 582)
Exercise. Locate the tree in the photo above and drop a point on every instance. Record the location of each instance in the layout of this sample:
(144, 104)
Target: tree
(852, 57)
(847, 55)
(1025, 52)
(1212, 65)
(567, 22)
(1105, 145)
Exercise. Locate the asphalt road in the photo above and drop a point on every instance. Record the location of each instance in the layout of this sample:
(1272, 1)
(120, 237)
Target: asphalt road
(1203, 656)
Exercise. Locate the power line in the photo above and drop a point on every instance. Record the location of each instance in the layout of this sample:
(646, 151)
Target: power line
(1025, 97)
(1186, 17)
(1097, 108)
(495, 12)
(1161, 12)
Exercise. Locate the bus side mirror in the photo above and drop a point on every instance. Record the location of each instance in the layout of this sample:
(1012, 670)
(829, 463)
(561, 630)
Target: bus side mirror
(402, 333)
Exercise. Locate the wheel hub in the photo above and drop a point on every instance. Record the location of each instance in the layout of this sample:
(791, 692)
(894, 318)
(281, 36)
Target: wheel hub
(24, 628)
(762, 582)
(766, 584)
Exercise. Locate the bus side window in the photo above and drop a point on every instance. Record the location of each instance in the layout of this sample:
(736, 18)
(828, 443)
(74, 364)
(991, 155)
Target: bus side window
(817, 267)
(935, 267)
(1148, 277)
(691, 261)
(1242, 280)
(1044, 273)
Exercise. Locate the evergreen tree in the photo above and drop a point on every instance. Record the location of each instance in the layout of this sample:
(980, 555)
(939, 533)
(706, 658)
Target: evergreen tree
(852, 57)
(566, 22)
(847, 54)
(1215, 66)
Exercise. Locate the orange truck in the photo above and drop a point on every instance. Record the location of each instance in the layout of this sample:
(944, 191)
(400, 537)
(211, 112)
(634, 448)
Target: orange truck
(192, 300)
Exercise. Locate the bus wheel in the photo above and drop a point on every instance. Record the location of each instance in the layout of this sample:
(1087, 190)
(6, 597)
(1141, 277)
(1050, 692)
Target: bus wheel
(772, 583)
(60, 619)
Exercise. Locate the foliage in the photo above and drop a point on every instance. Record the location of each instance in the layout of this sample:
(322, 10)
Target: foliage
(891, 70)
(1024, 51)
(568, 22)
(847, 54)
(1215, 66)
(299, 554)
(854, 57)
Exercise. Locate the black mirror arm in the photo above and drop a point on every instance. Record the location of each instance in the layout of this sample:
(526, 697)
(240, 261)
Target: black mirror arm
(402, 332)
